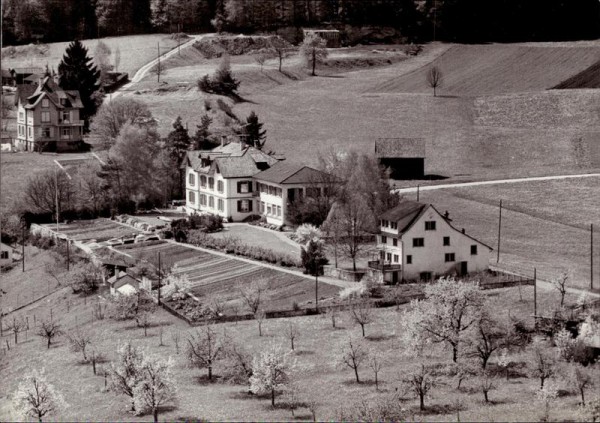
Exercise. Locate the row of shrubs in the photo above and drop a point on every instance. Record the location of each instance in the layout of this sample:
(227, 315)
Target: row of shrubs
(234, 246)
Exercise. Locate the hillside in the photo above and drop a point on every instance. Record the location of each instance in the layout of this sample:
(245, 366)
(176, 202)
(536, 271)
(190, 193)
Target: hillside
(136, 51)
(473, 70)
(588, 78)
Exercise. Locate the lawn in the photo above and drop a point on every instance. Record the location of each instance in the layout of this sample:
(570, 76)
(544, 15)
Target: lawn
(258, 237)
(318, 376)
(544, 224)
(136, 51)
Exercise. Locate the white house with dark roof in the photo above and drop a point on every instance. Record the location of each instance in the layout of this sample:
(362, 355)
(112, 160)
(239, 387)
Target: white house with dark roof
(418, 243)
(282, 184)
(6, 254)
(48, 117)
(220, 181)
(405, 157)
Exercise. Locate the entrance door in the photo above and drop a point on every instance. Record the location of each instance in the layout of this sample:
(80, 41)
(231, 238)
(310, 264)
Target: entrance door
(463, 268)
(394, 278)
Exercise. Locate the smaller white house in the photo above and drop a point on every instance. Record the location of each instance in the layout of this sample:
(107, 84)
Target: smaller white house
(418, 243)
(6, 254)
(282, 184)
(123, 284)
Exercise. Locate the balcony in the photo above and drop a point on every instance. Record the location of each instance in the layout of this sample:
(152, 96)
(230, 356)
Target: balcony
(386, 266)
(70, 122)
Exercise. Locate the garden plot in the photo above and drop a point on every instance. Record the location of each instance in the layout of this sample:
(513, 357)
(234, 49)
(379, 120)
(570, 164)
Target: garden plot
(170, 254)
(98, 230)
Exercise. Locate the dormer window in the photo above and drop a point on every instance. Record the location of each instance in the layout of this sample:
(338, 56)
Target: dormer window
(45, 103)
(63, 101)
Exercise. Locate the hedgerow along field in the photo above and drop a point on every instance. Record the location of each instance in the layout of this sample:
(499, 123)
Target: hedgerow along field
(319, 375)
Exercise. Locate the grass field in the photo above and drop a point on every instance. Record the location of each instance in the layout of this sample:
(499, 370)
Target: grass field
(136, 51)
(544, 224)
(258, 237)
(319, 376)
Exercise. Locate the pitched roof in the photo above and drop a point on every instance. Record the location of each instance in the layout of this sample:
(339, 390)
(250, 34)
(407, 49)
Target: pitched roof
(29, 70)
(233, 160)
(400, 147)
(289, 173)
(237, 167)
(405, 213)
(30, 95)
(23, 92)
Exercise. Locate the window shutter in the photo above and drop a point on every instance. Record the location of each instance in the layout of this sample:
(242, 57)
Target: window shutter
(250, 205)
(239, 190)
(239, 203)
(250, 190)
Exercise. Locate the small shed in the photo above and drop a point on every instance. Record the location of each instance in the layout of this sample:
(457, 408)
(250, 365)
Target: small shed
(331, 36)
(404, 156)
(6, 254)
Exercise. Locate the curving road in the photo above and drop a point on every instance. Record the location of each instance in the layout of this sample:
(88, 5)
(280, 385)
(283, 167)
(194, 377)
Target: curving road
(143, 71)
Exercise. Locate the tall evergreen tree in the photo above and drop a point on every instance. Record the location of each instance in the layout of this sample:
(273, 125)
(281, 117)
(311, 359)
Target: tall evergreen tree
(77, 72)
(178, 143)
(202, 138)
(255, 135)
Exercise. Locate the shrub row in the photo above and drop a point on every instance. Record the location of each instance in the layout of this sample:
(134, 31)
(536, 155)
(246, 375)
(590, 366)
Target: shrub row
(234, 246)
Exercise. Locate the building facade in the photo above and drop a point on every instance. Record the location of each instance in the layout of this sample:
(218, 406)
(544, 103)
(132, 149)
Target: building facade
(418, 243)
(6, 254)
(48, 117)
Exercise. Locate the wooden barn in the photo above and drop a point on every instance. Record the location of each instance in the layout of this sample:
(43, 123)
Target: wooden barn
(404, 156)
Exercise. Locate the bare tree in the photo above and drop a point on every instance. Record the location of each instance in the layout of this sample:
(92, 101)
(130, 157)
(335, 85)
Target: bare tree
(421, 383)
(175, 336)
(143, 319)
(486, 338)
(260, 316)
(542, 362)
(560, 284)
(260, 59)
(253, 296)
(376, 361)
(314, 50)
(204, 349)
(156, 386)
(354, 354)
(80, 342)
(125, 372)
(292, 332)
(583, 378)
(362, 314)
(486, 382)
(434, 78)
(217, 307)
(49, 330)
(281, 49)
(16, 326)
(95, 356)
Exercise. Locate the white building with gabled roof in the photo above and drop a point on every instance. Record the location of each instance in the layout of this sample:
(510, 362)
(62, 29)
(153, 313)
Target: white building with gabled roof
(419, 243)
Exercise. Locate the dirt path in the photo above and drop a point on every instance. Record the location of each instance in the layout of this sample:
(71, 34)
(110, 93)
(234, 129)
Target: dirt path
(143, 71)
(494, 182)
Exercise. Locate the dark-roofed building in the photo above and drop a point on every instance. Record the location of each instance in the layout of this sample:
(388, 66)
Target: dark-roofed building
(23, 75)
(48, 117)
(404, 156)
(219, 181)
(418, 243)
(284, 183)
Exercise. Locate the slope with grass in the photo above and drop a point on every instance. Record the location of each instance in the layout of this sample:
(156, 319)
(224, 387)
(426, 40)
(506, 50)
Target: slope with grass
(136, 51)
(474, 70)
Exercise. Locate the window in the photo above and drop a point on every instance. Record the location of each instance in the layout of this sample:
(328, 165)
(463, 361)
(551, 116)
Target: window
(21, 130)
(203, 181)
(418, 242)
(191, 179)
(65, 116)
(29, 132)
(262, 207)
(220, 186)
(389, 256)
(396, 258)
(191, 197)
(409, 259)
(211, 183)
(395, 242)
(4, 255)
(211, 202)
(449, 257)
(446, 241)
(430, 225)
(279, 211)
(45, 103)
(473, 250)
(425, 276)
(383, 239)
(268, 209)
(279, 192)
(21, 116)
(45, 117)
(46, 133)
(244, 206)
(244, 187)
(394, 225)
(220, 205)
(66, 132)
(272, 190)
(203, 199)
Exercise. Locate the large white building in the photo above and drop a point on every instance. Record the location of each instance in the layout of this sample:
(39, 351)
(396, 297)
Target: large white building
(418, 243)
(220, 181)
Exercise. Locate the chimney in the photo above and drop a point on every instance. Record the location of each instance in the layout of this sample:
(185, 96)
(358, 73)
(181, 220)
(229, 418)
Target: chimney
(446, 215)
(463, 230)
(223, 139)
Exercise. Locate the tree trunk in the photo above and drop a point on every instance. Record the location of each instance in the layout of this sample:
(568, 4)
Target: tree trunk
(484, 362)
(155, 414)
(280, 60)
(376, 382)
(542, 382)
(356, 373)
(292, 344)
(314, 61)
(209, 372)
(273, 397)
(434, 93)
(485, 395)
(94, 366)
(421, 402)
(146, 329)
(362, 326)
(582, 397)
(259, 329)
(49, 343)
(454, 353)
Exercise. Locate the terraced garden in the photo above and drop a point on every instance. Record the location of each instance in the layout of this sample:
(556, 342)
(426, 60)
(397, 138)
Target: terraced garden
(98, 229)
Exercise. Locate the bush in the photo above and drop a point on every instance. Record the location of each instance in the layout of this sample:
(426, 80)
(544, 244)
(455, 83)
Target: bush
(582, 354)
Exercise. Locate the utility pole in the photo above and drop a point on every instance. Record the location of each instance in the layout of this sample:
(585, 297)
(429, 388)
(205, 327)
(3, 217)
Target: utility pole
(159, 278)
(317, 291)
(418, 189)
(56, 197)
(158, 64)
(68, 254)
(591, 256)
(23, 245)
(499, 230)
(535, 293)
